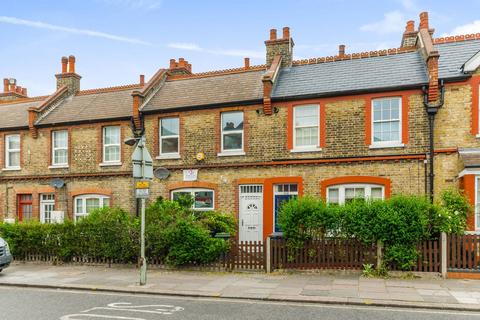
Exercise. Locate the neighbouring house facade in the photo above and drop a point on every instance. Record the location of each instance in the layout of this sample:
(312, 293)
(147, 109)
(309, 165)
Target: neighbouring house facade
(243, 140)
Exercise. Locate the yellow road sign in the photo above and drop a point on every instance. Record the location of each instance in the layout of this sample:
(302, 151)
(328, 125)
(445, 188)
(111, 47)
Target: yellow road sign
(142, 184)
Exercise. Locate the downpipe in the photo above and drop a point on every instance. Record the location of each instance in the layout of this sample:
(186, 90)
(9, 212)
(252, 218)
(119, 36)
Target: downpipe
(432, 109)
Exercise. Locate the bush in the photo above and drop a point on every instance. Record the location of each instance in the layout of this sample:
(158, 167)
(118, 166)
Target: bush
(174, 234)
(451, 214)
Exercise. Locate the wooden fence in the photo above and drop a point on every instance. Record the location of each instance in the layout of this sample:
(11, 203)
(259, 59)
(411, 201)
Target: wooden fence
(429, 257)
(463, 252)
(245, 255)
(322, 254)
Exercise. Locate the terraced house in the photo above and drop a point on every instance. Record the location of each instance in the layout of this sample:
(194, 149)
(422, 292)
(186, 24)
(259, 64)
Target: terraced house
(244, 140)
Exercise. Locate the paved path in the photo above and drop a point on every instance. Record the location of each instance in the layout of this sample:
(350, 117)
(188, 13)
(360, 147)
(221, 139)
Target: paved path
(315, 287)
(48, 304)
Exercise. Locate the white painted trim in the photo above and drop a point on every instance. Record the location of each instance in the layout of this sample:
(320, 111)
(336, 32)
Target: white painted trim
(164, 155)
(104, 145)
(63, 166)
(472, 64)
(222, 133)
(12, 169)
(300, 150)
(469, 171)
(231, 153)
(110, 164)
(168, 156)
(366, 186)
(379, 145)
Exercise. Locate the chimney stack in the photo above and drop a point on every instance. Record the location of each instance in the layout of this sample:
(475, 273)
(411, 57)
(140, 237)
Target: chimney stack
(182, 67)
(11, 91)
(341, 50)
(6, 85)
(283, 47)
(68, 77)
(423, 20)
(246, 62)
(142, 80)
(409, 37)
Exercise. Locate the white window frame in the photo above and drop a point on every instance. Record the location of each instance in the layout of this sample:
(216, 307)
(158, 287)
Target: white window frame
(311, 147)
(60, 164)
(341, 190)
(391, 143)
(83, 198)
(8, 166)
(104, 146)
(231, 152)
(192, 193)
(478, 110)
(168, 155)
(46, 199)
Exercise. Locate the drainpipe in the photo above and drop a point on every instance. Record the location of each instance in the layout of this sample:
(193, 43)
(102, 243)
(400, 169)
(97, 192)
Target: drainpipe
(432, 109)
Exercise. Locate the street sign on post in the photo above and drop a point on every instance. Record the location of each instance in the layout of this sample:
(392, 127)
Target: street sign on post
(142, 170)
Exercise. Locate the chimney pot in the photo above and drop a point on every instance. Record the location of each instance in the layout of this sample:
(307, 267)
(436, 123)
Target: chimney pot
(173, 63)
(181, 62)
(410, 27)
(24, 91)
(5, 85)
(341, 50)
(142, 80)
(286, 33)
(424, 20)
(18, 89)
(273, 34)
(71, 64)
(64, 64)
(12, 87)
(246, 63)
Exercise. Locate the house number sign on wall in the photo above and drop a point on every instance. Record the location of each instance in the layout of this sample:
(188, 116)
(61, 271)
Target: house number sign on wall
(190, 175)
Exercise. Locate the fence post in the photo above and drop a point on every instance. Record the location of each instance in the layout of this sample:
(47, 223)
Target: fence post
(444, 255)
(268, 256)
(379, 254)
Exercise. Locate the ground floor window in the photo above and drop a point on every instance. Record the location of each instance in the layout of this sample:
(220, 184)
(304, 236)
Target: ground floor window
(86, 203)
(344, 193)
(477, 204)
(47, 205)
(25, 207)
(203, 199)
(282, 193)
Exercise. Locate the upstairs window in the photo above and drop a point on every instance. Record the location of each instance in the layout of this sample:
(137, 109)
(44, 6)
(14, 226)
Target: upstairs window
(306, 121)
(12, 151)
(60, 148)
(111, 144)
(169, 136)
(387, 122)
(232, 131)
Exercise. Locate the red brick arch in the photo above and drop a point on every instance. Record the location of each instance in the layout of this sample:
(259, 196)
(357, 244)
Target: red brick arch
(385, 182)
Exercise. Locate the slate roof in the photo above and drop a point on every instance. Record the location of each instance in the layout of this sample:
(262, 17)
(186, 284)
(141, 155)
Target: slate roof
(405, 69)
(93, 106)
(453, 55)
(15, 115)
(236, 87)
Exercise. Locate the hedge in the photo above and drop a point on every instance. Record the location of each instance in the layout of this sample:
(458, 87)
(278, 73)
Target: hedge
(174, 234)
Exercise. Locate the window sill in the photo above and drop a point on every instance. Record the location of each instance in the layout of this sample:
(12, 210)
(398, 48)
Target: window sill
(12, 169)
(477, 136)
(299, 150)
(168, 156)
(59, 166)
(384, 146)
(110, 164)
(231, 153)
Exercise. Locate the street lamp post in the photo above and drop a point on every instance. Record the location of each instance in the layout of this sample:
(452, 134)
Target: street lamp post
(143, 173)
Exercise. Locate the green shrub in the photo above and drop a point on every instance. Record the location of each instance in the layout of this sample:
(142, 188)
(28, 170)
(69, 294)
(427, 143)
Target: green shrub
(451, 214)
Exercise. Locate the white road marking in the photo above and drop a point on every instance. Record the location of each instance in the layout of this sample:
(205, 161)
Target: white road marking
(83, 316)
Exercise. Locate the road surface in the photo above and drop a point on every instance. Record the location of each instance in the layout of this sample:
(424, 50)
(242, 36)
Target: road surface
(46, 304)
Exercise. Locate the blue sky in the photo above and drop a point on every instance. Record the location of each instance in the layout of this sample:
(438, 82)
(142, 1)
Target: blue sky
(116, 40)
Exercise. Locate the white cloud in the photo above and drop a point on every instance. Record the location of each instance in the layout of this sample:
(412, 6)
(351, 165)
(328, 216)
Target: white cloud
(473, 27)
(392, 22)
(223, 52)
(136, 4)
(409, 5)
(87, 32)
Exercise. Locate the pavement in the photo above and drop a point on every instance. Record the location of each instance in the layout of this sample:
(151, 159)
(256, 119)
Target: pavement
(323, 287)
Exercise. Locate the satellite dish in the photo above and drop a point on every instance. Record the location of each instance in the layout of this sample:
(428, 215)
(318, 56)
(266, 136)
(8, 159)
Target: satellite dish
(161, 173)
(57, 183)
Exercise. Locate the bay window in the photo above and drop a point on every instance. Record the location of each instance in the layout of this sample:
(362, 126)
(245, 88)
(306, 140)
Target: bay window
(344, 193)
(86, 203)
(203, 199)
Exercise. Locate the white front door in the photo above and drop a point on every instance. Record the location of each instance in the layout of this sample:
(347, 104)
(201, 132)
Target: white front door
(251, 213)
(47, 205)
